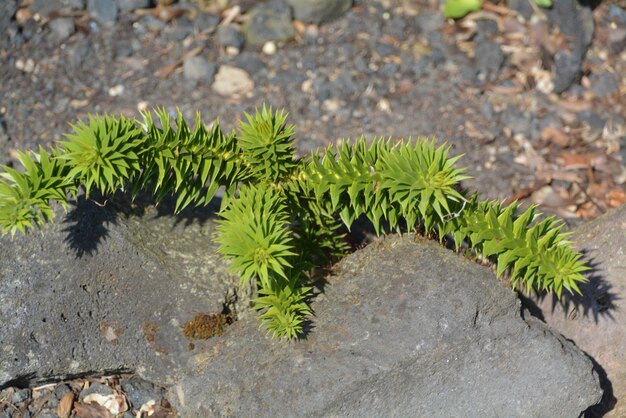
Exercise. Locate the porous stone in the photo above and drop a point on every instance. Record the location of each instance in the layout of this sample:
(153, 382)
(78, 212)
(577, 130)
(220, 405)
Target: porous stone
(231, 80)
(103, 11)
(269, 21)
(403, 328)
(197, 68)
(105, 290)
(319, 11)
(595, 322)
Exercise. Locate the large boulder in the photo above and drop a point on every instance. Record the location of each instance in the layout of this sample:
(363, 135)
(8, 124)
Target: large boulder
(597, 321)
(97, 292)
(403, 328)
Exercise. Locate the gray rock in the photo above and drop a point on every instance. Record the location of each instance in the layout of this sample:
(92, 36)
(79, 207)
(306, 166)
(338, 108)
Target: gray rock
(404, 328)
(197, 68)
(489, 58)
(5, 141)
(130, 5)
(592, 119)
(249, 62)
(575, 20)
(100, 293)
(176, 33)
(616, 14)
(429, 21)
(95, 387)
(269, 21)
(59, 391)
(61, 28)
(205, 22)
(230, 36)
(319, 11)
(567, 70)
(140, 391)
(596, 321)
(604, 84)
(519, 121)
(21, 395)
(485, 30)
(103, 11)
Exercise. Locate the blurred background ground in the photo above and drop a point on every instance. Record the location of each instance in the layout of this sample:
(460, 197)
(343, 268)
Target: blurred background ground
(534, 98)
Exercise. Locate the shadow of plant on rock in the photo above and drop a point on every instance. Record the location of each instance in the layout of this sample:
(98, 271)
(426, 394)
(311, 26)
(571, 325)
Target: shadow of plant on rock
(88, 219)
(87, 225)
(598, 300)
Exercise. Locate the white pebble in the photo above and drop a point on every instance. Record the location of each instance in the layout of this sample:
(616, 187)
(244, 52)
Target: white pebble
(116, 90)
(269, 48)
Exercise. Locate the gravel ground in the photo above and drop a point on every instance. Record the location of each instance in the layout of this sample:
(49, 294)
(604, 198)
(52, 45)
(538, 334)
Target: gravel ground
(536, 103)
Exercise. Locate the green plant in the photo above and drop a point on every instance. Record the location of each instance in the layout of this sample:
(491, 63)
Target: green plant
(281, 214)
(456, 9)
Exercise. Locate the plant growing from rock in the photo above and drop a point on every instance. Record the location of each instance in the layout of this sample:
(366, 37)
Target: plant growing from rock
(281, 214)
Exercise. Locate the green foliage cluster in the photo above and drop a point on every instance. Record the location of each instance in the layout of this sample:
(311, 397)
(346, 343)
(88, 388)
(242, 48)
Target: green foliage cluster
(281, 215)
(456, 9)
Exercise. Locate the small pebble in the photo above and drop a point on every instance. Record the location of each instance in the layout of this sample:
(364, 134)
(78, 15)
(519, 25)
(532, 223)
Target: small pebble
(230, 81)
(23, 15)
(27, 67)
(117, 90)
(142, 105)
(269, 48)
(197, 68)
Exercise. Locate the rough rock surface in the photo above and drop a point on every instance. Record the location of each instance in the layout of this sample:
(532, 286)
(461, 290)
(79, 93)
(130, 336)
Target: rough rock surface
(99, 293)
(403, 329)
(597, 322)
